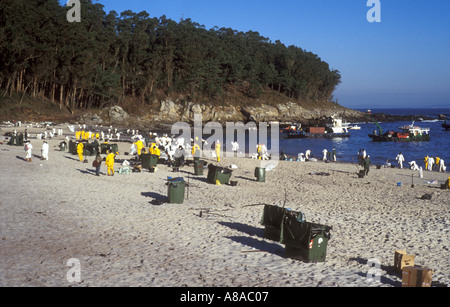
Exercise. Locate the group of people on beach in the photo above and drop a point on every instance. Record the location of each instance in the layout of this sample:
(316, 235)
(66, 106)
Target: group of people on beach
(329, 155)
(29, 150)
(436, 164)
(172, 149)
(430, 163)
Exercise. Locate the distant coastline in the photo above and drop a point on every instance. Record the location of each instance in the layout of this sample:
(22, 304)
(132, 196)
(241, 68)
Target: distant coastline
(405, 114)
(429, 112)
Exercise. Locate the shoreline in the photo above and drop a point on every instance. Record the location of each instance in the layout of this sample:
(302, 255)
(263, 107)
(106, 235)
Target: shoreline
(142, 123)
(125, 233)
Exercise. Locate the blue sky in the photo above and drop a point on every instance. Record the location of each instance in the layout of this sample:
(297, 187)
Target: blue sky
(402, 61)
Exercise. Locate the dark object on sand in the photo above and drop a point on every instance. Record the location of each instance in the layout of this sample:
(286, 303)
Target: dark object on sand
(426, 196)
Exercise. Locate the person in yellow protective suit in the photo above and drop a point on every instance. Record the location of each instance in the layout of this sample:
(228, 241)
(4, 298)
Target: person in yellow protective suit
(151, 148)
(154, 150)
(196, 151)
(426, 162)
(80, 148)
(139, 145)
(77, 135)
(259, 147)
(436, 162)
(218, 150)
(110, 163)
(97, 136)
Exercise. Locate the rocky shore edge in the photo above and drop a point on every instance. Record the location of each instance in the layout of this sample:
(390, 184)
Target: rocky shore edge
(171, 112)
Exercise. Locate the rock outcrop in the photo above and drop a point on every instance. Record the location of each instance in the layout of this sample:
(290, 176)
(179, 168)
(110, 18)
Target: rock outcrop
(171, 111)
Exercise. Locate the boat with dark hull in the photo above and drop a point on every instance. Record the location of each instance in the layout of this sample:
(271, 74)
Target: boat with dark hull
(446, 125)
(334, 130)
(408, 133)
(308, 135)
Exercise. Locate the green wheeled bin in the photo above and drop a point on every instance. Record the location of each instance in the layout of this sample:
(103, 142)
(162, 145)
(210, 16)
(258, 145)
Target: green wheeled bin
(218, 173)
(104, 148)
(90, 149)
(149, 161)
(175, 190)
(108, 148)
(114, 148)
(62, 146)
(260, 174)
(12, 141)
(211, 173)
(73, 147)
(271, 219)
(198, 167)
(304, 240)
(19, 139)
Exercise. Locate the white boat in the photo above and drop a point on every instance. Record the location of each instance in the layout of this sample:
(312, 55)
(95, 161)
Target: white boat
(338, 127)
(356, 127)
(348, 127)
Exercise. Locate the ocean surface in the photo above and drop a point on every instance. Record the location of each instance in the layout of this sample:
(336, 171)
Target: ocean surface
(380, 152)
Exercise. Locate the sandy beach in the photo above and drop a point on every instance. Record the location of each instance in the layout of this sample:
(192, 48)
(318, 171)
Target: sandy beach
(124, 232)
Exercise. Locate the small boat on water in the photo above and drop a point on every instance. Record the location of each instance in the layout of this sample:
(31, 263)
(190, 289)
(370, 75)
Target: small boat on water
(333, 130)
(446, 125)
(408, 133)
(347, 125)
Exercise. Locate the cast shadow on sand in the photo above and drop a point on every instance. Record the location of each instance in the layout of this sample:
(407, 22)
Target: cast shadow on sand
(250, 230)
(259, 245)
(75, 159)
(198, 178)
(87, 171)
(245, 178)
(158, 199)
(20, 158)
(256, 244)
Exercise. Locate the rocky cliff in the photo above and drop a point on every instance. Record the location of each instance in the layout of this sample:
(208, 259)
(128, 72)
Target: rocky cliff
(171, 111)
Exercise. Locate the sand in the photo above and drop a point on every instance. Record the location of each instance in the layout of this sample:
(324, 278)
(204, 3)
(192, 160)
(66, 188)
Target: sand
(123, 231)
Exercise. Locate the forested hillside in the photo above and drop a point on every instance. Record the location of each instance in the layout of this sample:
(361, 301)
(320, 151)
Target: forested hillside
(110, 57)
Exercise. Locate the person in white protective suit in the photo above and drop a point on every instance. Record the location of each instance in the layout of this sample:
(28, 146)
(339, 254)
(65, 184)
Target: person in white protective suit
(325, 151)
(28, 148)
(235, 146)
(413, 165)
(442, 167)
(430, 163)
(44, 151)
(133, 150)
(264, 152)
(307, 154)
(400, 158)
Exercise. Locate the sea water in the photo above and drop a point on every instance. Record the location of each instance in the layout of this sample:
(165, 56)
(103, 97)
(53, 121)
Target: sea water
(380, 152)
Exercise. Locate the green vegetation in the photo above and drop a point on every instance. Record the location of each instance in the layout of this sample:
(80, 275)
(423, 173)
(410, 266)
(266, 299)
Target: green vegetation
(108, 58)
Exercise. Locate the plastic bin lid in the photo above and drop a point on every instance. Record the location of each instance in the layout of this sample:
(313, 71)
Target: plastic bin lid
(177, 179)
